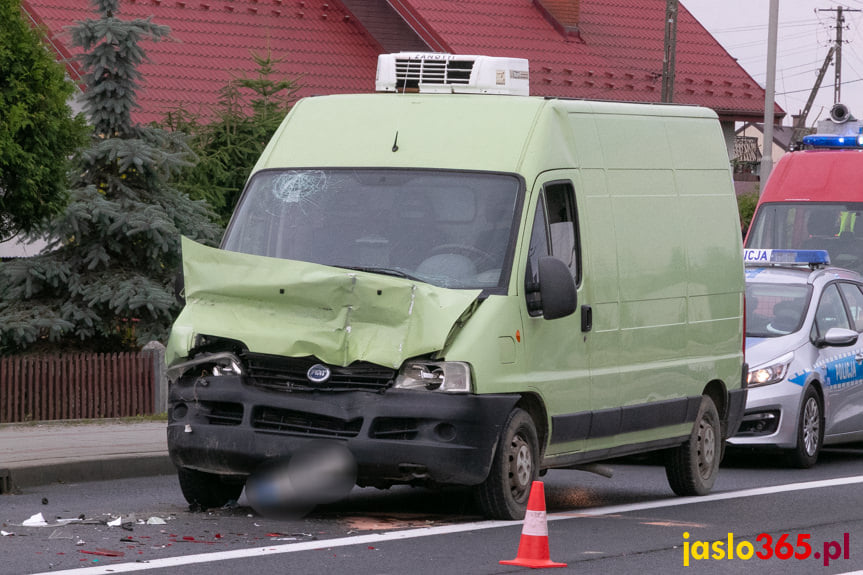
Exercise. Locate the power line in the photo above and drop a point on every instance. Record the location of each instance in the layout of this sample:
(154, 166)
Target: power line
(759, 27)
(844, 83)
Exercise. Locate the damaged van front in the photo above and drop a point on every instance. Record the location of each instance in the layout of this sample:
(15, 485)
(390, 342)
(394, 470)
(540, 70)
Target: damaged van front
(327, 314)
(453, 283)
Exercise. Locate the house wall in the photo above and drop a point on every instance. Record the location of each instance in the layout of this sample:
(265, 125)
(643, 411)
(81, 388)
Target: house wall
(729, 135)
(753, 132)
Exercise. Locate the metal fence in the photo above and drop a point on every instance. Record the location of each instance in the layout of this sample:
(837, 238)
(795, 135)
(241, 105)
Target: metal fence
(77, 386)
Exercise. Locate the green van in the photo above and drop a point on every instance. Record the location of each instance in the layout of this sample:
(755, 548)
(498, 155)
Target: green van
(467, 289)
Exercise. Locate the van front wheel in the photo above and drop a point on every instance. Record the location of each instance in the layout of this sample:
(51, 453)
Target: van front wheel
(504, 493)
(205, 490)
(692, 467)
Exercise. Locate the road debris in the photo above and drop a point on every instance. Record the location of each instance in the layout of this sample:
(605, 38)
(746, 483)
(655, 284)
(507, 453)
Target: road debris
(36, 520)
(156, 521)
(103, 552)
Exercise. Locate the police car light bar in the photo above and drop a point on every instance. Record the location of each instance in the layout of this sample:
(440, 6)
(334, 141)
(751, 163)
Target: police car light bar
(811, 258)
(834, 141)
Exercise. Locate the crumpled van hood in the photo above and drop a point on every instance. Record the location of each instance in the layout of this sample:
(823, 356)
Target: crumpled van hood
(298, 309)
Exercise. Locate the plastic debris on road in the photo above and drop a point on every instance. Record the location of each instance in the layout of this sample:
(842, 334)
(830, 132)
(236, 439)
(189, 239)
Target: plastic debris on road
(156, 521)
(103, 552)
(60, 534)
(36, 520)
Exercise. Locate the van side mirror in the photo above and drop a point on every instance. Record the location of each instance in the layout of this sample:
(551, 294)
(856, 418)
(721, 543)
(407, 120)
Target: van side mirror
(556, 288)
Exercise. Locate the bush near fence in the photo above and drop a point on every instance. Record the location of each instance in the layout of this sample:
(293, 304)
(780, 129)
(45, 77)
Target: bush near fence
(76, 386)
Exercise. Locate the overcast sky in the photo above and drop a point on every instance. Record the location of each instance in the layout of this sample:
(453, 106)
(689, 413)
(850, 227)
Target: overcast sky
(804, 37)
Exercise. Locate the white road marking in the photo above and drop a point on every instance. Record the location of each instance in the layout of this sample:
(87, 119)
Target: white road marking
(444, 530)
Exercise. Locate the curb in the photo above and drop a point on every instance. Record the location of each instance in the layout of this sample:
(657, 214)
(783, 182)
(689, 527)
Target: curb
(102, 469)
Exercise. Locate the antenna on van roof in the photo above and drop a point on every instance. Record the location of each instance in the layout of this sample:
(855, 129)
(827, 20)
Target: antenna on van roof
(404, 90)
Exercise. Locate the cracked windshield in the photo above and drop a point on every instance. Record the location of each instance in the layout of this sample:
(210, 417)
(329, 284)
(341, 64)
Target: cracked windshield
(449, 229)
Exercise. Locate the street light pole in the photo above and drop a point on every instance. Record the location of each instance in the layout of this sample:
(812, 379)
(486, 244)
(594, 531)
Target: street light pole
(769, 94)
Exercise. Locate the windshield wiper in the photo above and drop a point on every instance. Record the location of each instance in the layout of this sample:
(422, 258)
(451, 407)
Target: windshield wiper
(382, 271)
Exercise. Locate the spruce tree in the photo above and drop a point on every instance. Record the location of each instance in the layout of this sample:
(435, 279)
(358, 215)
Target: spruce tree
(106, 278)
(229, 142)
(38, 132)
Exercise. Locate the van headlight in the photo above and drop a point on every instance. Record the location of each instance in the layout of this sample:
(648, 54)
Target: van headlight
(447, 376)
(206, 364)
(771, 373)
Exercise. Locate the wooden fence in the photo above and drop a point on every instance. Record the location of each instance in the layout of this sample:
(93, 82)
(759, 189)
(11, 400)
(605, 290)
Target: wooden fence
(77, 386)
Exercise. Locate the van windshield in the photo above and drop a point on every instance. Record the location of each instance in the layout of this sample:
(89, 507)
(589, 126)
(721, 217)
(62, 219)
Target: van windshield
(835, 227)
(449, 229)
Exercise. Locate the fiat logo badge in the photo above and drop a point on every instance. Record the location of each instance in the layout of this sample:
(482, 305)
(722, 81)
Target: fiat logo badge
(318, 373)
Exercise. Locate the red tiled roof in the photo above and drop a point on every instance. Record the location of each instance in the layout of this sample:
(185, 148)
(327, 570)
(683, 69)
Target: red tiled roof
(320, 44)
(618, 55)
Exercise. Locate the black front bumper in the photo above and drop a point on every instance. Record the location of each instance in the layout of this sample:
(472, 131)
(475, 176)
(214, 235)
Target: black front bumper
(227, 427)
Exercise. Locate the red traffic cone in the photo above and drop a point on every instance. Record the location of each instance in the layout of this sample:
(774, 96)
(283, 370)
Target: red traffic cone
(533, 547)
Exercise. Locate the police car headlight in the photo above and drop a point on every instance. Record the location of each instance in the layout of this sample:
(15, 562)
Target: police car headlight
(446, 376)
(772, 373)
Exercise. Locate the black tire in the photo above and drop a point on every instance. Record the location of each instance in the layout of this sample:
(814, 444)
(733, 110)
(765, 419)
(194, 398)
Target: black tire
(504, 493)
(810, 431)
(692, 467)
(206, 490)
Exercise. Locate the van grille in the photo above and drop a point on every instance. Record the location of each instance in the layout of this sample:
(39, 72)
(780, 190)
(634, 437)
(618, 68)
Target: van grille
(411, 72)
(399, 428)
(292, 422)
(288, 374)
(221, 413)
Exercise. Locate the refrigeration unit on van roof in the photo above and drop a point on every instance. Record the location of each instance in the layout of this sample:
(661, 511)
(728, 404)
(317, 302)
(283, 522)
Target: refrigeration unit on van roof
(436, 72)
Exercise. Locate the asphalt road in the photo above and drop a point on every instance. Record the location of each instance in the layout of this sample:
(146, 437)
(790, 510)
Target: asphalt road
(631, 523)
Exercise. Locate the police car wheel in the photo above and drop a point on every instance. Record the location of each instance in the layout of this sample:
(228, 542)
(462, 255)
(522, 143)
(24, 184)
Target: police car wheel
(504, 493)
(810, 431)
(691, 468)
(206, 490)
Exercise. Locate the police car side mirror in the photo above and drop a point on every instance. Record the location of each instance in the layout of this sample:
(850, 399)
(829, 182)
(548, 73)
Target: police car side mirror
(556, 288)
(838, 337)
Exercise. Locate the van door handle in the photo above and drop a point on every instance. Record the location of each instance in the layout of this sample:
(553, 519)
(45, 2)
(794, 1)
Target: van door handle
(859, 358)
(587, 319)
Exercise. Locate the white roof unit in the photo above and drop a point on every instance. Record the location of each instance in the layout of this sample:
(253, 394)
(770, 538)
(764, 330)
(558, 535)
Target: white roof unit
(437, 72)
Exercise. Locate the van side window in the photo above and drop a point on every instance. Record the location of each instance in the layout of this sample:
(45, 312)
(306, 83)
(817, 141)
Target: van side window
(555, 233)
(538, 248)
(562, 225)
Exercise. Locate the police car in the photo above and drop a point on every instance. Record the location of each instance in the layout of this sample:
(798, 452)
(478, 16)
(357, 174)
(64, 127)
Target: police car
(803, 319)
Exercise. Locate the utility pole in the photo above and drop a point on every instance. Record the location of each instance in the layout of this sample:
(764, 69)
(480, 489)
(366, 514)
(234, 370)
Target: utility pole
(670, 53)
(801, 119)
(837, 73)
(769, 94)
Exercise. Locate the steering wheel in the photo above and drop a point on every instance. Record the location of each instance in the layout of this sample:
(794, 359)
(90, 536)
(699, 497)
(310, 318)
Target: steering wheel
(479, 255)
